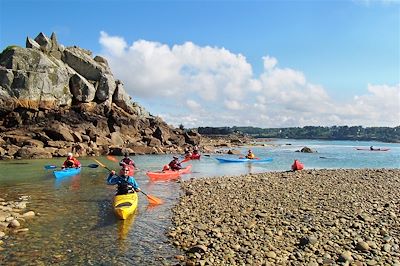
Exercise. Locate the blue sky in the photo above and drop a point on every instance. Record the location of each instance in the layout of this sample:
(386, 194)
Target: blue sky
(225, 63)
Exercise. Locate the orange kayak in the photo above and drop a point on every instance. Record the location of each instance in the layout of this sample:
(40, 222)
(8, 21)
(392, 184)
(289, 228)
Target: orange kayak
(168, 174)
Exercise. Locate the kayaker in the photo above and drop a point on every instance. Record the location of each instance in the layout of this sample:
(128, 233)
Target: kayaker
(126, 160)
(188, 154)
(297, 166)
(250, 155)
(175, 165)
(196, 154)
(126, 184)
(71, 162)
(195, 150)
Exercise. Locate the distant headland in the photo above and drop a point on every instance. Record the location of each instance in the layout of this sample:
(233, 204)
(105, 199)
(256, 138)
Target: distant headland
(385, 134)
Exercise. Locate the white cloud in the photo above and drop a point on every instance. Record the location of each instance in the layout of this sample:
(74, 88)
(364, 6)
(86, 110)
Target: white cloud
(115, 45)
(233, 105)
(193, 105)
(211, 86)
(269, 63)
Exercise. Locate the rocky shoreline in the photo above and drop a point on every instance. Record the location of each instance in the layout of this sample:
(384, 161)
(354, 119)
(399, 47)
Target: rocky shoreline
(12, 216)
(309, 217)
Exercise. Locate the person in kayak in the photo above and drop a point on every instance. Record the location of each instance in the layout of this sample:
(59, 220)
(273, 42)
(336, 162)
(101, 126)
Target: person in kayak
(127, 161)
(250, 155)
(196, 154)
(125, 183)
(175, 165)
(71, 162)
(188, 154)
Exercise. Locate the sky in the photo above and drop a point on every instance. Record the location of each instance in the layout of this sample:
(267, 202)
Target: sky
(258, 63)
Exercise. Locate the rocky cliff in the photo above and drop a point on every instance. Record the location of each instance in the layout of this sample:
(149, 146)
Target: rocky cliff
(56, 99)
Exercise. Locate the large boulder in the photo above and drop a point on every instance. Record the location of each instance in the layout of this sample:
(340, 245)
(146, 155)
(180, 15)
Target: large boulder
(82, 62)
(31, 77)
(32, 152)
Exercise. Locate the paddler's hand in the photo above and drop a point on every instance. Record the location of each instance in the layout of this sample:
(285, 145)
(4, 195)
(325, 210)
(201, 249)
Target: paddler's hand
(112, 172)
(138, 189)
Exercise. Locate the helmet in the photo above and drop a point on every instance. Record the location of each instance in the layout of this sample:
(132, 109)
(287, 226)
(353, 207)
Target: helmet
(176, 158)
(126, 154)
(249, 150)
(69, 154)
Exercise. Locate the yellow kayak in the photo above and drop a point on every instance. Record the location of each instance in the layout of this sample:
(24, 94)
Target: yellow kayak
(125, 205)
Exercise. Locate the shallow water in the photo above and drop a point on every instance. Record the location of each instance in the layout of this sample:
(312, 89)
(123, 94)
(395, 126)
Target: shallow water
(77, 226)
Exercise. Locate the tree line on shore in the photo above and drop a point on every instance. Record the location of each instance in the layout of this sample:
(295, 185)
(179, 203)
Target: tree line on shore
(385, 134)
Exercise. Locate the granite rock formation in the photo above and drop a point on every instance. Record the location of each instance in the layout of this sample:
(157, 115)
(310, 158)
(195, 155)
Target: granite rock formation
(56, 99)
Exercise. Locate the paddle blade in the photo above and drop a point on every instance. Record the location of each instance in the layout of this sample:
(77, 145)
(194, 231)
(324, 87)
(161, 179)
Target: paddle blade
(47, 167)
(112, 158)
(153, 200)
(93, 165)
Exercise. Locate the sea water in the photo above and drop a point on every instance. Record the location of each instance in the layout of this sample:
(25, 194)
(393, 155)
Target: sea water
(76, 224)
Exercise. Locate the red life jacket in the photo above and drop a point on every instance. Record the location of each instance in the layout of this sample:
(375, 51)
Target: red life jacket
(297, 165)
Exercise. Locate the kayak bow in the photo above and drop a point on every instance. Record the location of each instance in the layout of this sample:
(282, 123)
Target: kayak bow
(125, 205)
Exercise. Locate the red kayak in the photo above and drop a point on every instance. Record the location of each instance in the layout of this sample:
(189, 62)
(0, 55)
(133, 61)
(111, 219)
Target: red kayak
(368, 149)
(195, 157)
(297, 166)
(192, 157)
(168, 174)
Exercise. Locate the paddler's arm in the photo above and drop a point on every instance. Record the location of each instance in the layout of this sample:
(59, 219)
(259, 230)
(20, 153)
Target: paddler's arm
(112, 178)
(134, 184)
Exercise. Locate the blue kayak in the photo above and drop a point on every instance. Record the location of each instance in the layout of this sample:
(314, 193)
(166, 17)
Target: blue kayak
(243, 160)
(66, 172)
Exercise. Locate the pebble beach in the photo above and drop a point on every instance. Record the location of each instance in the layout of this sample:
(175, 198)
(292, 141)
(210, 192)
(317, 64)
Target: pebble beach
(308, 217)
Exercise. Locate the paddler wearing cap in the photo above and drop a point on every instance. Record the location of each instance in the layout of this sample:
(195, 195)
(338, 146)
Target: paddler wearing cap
(126, 184)
(175, 165)
(71, 162)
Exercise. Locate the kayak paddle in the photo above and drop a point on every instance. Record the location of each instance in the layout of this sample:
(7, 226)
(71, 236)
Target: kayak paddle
(185, 160)
(102, 165)
(48, 167)
(152, 199)
(112, 158)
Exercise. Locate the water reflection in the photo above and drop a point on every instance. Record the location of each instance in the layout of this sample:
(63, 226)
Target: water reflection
(249, 168)
(124, 226)
(73, 181)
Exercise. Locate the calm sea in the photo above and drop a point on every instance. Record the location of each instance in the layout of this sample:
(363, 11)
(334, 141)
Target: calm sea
(76, 225)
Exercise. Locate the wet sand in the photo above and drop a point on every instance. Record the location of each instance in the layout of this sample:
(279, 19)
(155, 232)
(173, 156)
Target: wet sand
(309, 217)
